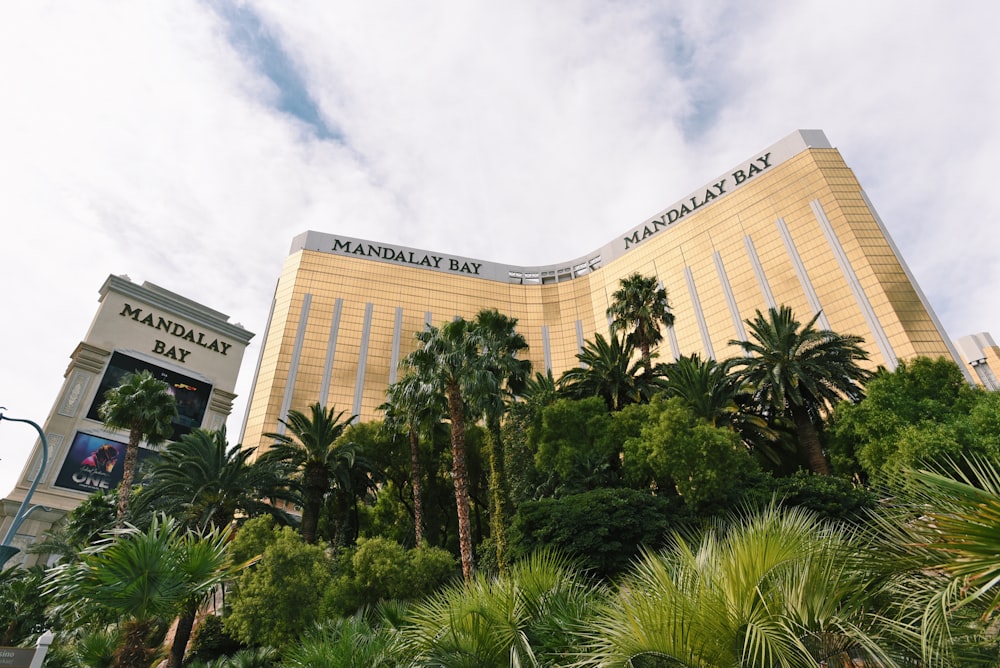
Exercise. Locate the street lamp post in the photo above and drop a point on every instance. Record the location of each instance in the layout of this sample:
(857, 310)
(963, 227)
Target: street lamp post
(6, 549)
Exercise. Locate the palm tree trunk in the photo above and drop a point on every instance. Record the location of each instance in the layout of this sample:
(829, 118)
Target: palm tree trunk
(647, 363)
(499, 498)
(460, 478)
(133, 652)
(809, 441)
(128, 475)
(314, 488)
(182, 635)
(418, 504)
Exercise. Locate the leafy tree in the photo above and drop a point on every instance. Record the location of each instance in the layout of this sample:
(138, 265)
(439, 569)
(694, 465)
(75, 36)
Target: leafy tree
(678, 451)
(310, 445)
(520, 434)
(602, 530)
(522, 618)
(800, 371)
(22, 606)
(146, 407)
(280, 597)
(776, 588)
(639, 306)
(379, 569)
(920, 411)
(140, 577)
(606, 370)
(573, 448)
(830, 497)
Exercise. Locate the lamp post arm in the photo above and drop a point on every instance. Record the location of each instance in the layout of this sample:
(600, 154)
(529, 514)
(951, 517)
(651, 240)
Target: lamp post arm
(23, 511)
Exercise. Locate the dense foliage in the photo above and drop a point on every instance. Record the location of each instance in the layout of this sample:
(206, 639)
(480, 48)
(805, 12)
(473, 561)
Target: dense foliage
(496, 519)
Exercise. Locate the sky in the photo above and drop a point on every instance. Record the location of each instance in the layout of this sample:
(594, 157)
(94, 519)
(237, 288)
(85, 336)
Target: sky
(186, 143)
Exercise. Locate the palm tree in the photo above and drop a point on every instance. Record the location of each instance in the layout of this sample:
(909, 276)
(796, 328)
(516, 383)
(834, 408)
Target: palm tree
(448, 358)
(141, 577)
(413, 405)
(146, 407)
(774, 589)
(205, 484)
(500, 346)
(801, 372)
(607, 371)
(310, 446)
(639, 306)
(938, 544)
(714, 393)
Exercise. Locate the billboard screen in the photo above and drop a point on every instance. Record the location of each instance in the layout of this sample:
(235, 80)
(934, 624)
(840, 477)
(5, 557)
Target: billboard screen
(95, 463)
(192, 395)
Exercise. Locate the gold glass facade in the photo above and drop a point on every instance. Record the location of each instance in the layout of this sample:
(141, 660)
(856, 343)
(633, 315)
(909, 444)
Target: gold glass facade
(789, 226)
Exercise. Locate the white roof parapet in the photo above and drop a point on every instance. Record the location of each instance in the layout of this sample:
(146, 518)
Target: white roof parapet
(719, 187)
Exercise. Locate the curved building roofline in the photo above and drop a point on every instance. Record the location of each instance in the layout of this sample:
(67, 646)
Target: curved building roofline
(717, 188)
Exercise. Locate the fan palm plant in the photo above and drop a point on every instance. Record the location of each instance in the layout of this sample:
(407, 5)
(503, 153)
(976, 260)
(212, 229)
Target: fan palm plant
(139, 577)
(774, 589)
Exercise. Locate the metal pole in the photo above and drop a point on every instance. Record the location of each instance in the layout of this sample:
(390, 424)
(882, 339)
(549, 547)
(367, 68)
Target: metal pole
(23, 511)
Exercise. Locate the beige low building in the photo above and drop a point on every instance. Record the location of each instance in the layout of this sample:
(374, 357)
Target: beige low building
(791, 225)
(193, 348)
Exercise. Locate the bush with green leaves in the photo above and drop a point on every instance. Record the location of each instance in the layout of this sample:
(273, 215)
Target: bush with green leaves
(676, 451)
(921, 412)
(279, 597)
(379, 569)
(830, 497)
(603, 530)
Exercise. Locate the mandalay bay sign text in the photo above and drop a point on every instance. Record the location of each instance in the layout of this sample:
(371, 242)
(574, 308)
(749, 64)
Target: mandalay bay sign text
(406, 256)
(698, 200)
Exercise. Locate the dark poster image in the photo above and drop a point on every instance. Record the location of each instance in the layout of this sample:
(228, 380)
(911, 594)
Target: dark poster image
(192, 395)
(95, 463)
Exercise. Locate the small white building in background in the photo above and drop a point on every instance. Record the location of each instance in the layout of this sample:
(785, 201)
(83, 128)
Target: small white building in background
(982, 358)
(193, 348)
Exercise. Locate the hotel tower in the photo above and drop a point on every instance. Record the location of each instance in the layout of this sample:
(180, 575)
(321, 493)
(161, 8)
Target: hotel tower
(790, 225)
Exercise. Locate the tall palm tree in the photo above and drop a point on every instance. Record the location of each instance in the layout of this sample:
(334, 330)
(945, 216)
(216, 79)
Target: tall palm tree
(499, 347)
(800, 372)
(146, 407)
(639, 306)
(141, 577)
(413, 405)
(310, 445)
(774, 589)
(607, 371)
(449, 359)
